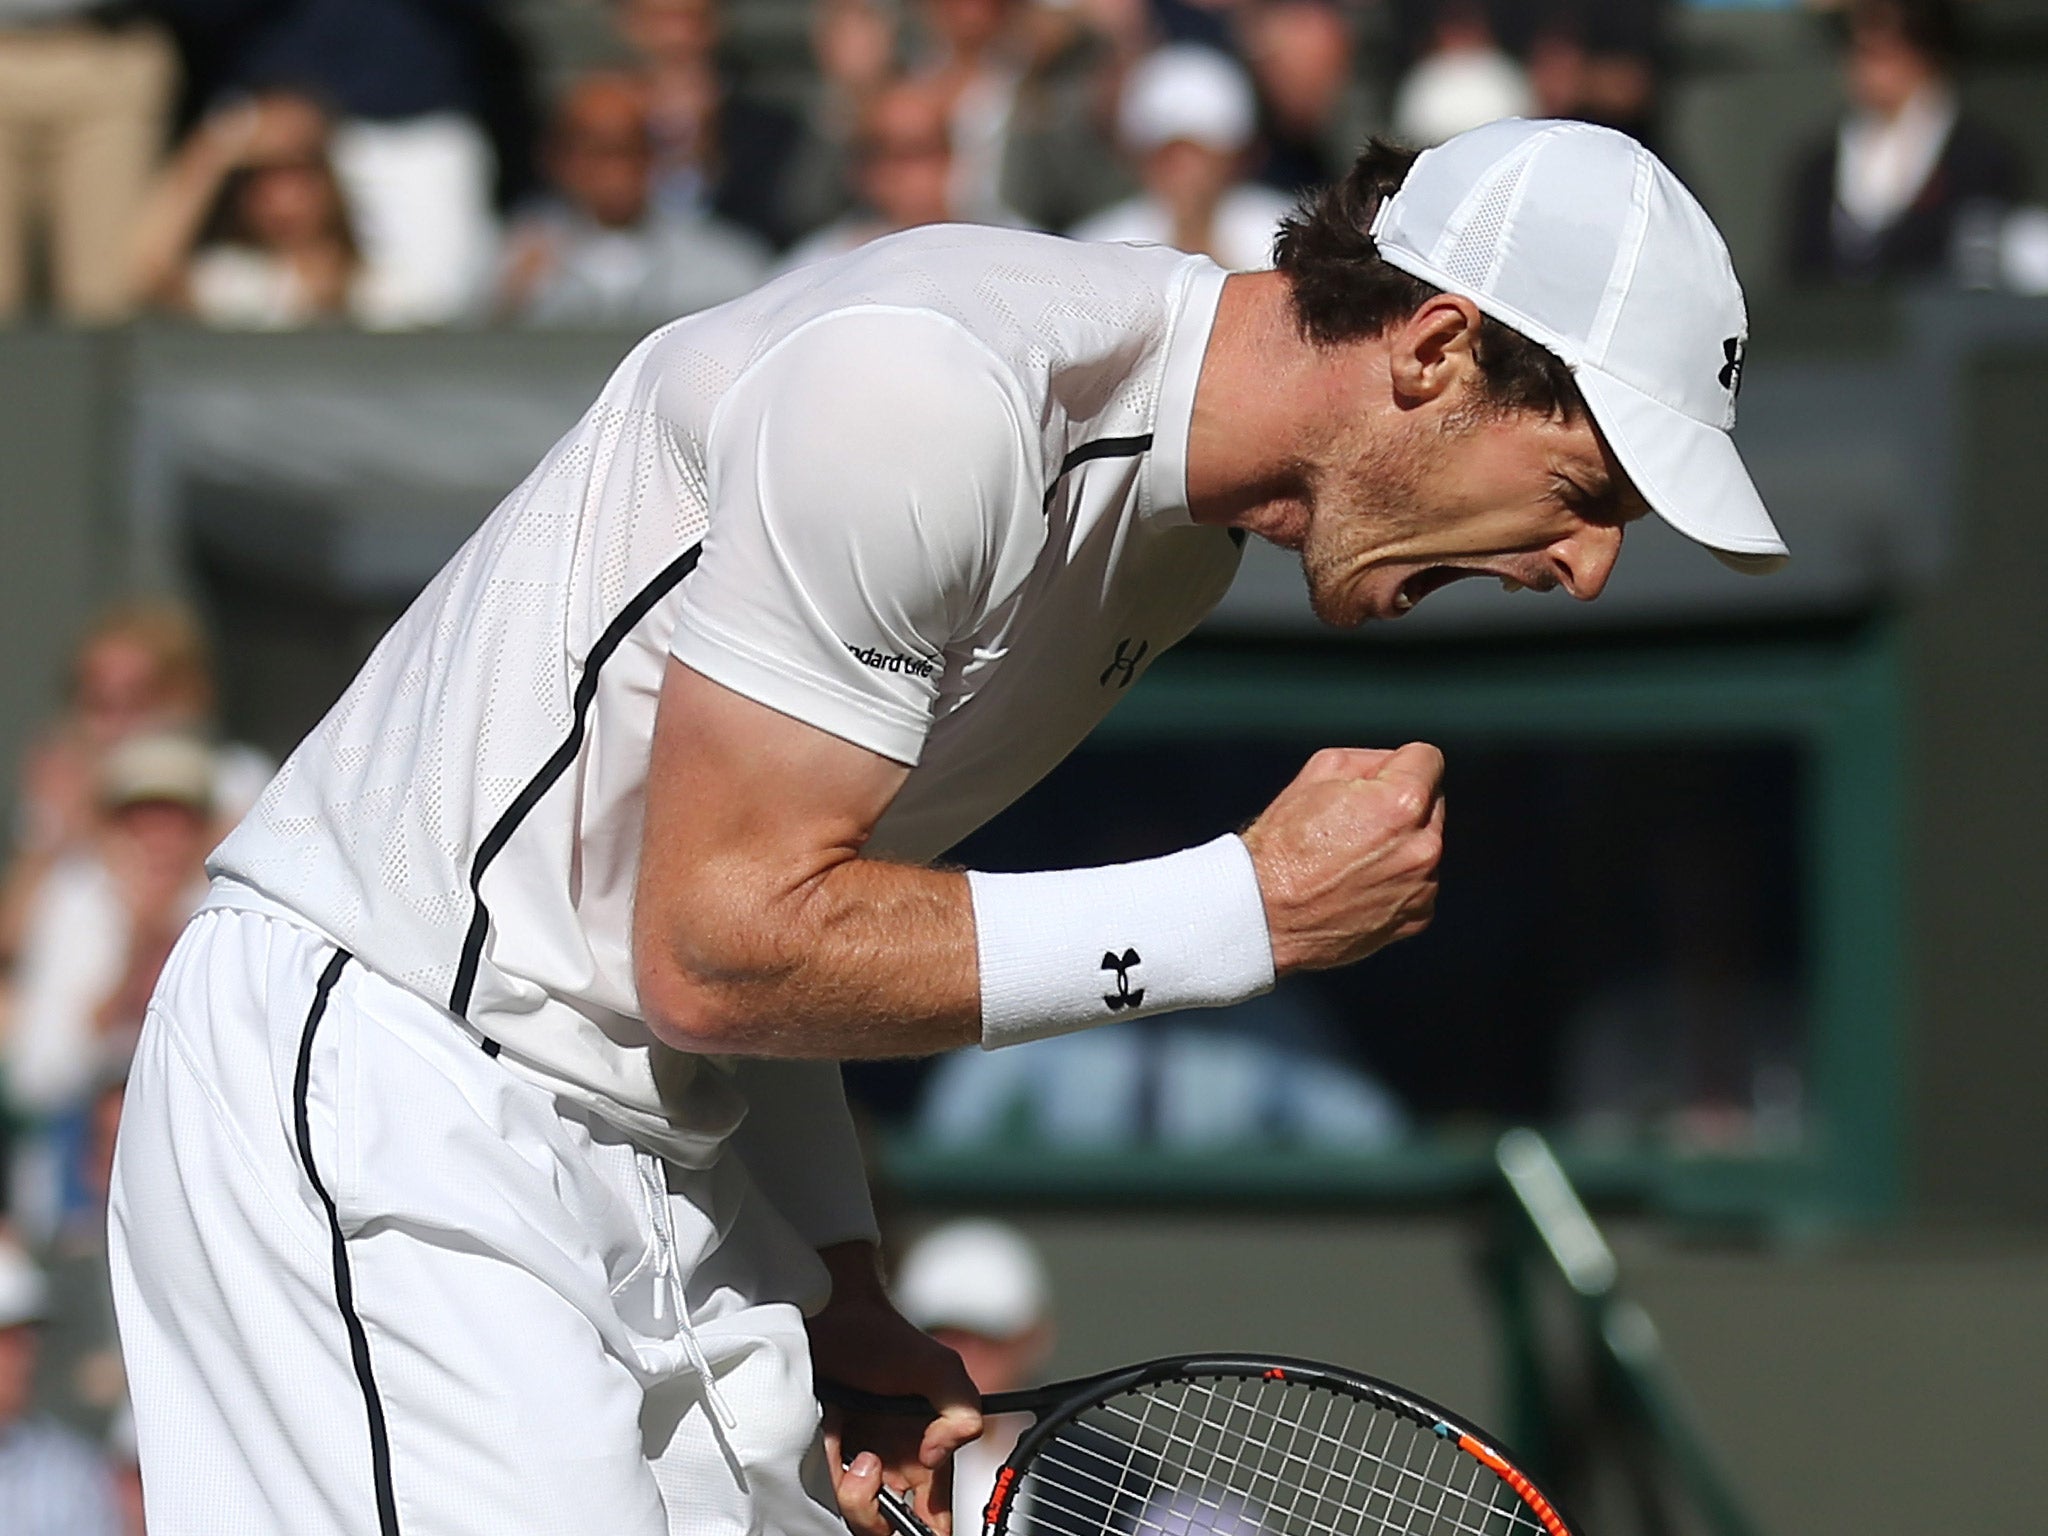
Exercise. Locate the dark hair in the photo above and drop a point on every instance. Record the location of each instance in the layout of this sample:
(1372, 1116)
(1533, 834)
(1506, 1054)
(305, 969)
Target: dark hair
(1931, 28)
(1344, 290)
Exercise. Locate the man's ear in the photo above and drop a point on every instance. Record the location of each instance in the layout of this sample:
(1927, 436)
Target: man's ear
(1434, 350)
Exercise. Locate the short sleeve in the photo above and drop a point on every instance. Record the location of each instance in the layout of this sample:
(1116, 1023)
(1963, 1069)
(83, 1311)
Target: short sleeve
(866, 476)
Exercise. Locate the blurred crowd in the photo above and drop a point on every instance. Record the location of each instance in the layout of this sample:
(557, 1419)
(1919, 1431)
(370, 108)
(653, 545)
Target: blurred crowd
(122, 794)
(267, 164)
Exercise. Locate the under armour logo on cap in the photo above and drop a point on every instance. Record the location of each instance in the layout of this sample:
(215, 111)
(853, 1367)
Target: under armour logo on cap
(1731, 371)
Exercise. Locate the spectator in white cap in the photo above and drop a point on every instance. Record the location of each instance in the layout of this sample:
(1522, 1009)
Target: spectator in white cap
(979, 1287)
(1465, 80)
(1188, 119)
(52, 1482)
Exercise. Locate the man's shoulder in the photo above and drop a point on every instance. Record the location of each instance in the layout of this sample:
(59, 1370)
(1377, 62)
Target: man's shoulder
(1011, 285)
(1031, 305)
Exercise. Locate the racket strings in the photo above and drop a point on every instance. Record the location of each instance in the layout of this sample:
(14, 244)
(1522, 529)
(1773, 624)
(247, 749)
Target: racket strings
(1187, 1514)
(1057, 1468)
(1397, 1426)
(1252, 1457)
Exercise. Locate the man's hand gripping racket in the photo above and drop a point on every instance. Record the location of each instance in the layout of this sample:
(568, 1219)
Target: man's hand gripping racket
(904, 1452)
(1239, 1445)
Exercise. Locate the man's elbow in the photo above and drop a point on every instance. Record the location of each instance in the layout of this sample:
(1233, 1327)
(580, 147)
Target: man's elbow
(720, 981)
(692, 1012)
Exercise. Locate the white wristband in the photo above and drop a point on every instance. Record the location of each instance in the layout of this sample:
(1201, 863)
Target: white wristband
(1066, 949)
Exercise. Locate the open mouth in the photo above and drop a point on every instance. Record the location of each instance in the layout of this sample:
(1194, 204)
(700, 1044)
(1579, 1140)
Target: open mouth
(1431, 578)
(1428, 580)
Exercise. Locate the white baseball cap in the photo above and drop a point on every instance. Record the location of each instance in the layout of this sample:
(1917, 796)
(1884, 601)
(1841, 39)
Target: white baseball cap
(1581, 239)
(1186, 91)
(159, 766)
(978, 1276)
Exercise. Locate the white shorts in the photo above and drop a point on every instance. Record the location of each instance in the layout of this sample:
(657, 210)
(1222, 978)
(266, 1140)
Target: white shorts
(371, 1281)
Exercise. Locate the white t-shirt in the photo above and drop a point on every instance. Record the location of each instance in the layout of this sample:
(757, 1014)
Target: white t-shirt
(930, 497)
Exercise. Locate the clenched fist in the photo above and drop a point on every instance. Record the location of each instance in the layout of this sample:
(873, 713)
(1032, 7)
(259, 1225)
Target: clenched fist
(1347, 854)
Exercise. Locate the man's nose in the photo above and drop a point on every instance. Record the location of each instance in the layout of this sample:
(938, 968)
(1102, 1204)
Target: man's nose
(1585, 560)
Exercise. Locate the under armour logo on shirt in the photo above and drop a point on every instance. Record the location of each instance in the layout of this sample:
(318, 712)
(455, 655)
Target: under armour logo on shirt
(1731, 371)
(1123, 668)
(1126, 995)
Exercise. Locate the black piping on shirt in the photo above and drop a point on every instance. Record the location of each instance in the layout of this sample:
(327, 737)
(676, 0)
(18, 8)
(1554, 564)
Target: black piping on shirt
(501, 833)
(344, 1283)
(1101, 448)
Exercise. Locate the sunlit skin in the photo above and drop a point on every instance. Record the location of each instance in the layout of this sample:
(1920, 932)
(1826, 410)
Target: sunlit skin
(1381, 462)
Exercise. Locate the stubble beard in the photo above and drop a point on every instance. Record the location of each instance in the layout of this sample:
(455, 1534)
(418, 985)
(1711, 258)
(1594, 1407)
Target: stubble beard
(1375, 501)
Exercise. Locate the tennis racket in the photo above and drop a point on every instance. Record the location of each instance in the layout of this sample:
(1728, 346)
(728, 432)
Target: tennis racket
(1239, 1445)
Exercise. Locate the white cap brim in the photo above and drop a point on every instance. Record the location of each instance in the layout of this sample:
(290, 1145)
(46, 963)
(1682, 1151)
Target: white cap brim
(1688, 471)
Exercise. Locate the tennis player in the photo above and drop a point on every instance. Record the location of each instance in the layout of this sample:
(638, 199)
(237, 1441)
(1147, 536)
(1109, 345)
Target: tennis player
(486, 1167)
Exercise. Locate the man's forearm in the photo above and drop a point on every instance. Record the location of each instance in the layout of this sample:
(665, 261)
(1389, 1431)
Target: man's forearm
(862, 959)
(759, 930)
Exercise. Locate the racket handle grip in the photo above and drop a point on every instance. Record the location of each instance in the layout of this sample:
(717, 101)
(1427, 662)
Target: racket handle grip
(903, 1520)
(1019, 1400)
(854, 1400)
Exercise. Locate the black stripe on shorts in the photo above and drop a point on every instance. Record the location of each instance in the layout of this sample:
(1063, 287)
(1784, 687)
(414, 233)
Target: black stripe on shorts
(344, 1284)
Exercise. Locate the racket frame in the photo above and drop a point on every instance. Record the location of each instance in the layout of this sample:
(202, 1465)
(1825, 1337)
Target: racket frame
(1059, 1403)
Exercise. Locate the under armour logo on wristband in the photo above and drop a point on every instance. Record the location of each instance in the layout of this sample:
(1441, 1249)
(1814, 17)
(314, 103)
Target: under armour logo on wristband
(1126, 995)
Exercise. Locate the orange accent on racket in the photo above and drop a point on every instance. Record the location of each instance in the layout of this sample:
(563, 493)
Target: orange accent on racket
(1538, 1505)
